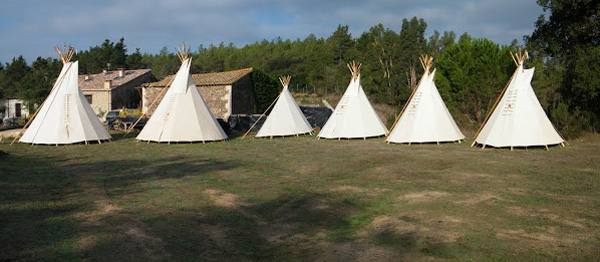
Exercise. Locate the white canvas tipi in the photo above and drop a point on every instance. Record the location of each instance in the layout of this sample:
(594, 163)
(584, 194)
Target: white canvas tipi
(353, 117)
(425, 118)
(182, 115)
(518, 119)
(286, 118)
(65, 117)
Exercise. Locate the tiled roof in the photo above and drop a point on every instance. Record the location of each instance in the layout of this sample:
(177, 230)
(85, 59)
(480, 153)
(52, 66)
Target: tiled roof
(96, 81)
(208, 79)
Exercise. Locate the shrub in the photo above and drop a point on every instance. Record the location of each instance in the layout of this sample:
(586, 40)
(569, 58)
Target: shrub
(265, 90)
(569, 122)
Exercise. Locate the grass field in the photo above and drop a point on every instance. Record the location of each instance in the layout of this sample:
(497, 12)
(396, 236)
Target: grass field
(299, 199)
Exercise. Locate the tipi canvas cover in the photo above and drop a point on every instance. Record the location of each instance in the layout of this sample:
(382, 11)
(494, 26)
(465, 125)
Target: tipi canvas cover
(182, 115)
(353, 117)
(518, 119)
(425, 118)
(65, 117)
(286, 118)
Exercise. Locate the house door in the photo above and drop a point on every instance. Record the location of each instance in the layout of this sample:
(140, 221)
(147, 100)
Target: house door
(18, 110)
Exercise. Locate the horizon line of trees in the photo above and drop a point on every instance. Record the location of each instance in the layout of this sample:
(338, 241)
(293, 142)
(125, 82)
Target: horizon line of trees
(471, 72)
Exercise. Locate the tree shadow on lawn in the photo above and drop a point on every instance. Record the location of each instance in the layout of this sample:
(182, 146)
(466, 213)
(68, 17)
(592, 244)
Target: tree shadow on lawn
(35, 209)
(126, 174)
(300, 225)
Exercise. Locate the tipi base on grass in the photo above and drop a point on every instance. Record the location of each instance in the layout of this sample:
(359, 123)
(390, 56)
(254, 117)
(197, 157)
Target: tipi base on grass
(87, 142)
(350, 138)
(512, 148)
(181, 142)
(284, 136)
(428, 142)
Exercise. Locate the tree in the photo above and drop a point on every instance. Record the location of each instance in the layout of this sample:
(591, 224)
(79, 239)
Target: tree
(2, 82)
(570, 38)
(38, 82)
(15, 72)
(163, 64)
(134, 60)
(380, 55)
(471, 74)
(108, 55)
(342, 48)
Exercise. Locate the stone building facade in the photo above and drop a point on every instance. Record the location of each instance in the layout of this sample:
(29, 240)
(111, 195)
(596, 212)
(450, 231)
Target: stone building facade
(226, 93)
(111, 90)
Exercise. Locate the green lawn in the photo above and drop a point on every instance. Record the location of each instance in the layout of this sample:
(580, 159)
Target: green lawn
(299, 199)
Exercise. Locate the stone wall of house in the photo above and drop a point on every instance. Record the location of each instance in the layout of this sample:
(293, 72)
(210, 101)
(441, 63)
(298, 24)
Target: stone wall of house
(243, 96)
(149, 94)
(101, 100)
(217, 98)
(128, 95)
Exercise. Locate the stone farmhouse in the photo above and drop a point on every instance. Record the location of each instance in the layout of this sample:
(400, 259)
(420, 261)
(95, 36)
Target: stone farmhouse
(112, 90)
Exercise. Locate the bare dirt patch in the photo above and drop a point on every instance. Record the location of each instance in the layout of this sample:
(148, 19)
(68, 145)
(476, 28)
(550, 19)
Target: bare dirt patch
(473, 175)
(348, 189)
(381, 223)
(475, 199)
(153, 248)
(546, 214)
(354, 189)
(424, 196)
(221, 198)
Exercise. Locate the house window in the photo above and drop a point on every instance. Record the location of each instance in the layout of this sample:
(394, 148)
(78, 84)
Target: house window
(18, 110)
(89, 98)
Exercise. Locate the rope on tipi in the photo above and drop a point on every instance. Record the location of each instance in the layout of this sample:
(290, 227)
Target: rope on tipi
(354, 69)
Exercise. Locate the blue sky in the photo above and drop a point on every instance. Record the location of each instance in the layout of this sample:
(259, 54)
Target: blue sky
(33, 27)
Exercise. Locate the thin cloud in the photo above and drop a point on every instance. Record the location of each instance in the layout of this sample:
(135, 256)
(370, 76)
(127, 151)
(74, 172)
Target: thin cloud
(32, 27)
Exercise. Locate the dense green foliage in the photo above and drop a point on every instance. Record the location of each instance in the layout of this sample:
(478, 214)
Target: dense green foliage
(265, 90)
(567, 40)
(471, 72)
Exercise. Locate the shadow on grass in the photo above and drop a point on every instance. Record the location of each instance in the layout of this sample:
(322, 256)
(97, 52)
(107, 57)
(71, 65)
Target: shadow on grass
(40, 197)
(35, 209)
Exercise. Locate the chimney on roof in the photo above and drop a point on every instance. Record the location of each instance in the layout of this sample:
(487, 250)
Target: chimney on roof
(86, 77)
(107, 84)
(121, 72)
